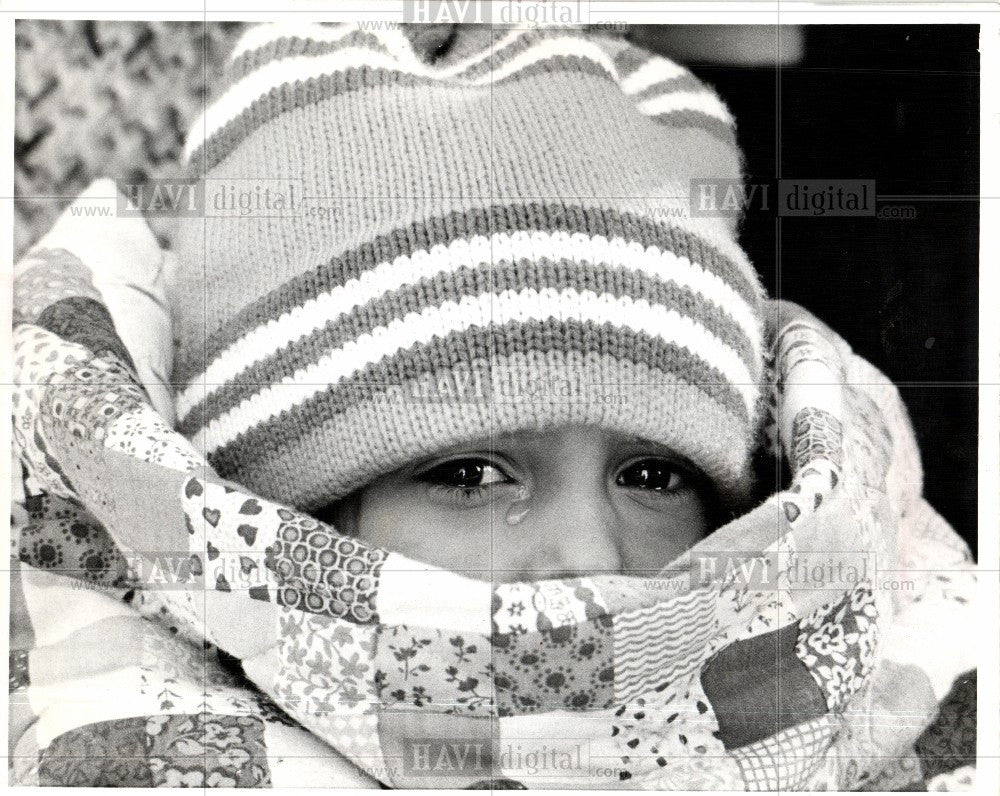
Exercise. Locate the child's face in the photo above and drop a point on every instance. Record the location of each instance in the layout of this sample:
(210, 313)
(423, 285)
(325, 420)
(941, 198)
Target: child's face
(573, 501)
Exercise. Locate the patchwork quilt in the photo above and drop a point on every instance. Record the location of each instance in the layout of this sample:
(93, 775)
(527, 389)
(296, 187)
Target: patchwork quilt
(171, 628)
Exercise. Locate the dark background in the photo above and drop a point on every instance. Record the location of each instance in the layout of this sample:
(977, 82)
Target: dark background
(900, 105)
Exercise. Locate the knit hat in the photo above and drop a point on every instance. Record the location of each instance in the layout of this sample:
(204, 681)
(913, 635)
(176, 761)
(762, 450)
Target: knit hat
(436, 252)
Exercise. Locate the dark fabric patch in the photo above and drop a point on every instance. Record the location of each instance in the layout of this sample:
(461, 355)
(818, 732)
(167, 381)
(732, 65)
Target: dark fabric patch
(88, 323)
(18, 670)
(62, 536)
(108, 754)
(950, 741)
(759, 687)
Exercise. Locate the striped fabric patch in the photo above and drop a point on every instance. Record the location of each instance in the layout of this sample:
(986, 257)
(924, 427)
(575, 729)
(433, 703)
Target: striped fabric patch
(660, 643)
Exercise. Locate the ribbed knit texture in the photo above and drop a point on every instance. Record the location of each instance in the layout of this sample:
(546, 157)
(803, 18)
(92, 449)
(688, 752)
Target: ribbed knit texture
(502, 244)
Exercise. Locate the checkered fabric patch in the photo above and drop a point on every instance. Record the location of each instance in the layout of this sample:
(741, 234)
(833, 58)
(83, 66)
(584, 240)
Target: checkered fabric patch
(786, 760)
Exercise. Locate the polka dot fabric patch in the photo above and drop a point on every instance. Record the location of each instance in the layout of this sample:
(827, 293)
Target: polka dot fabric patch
(322, 572)
(61, 536)
(39, 356)
(47, 276)
(666, 729)
(90, 397)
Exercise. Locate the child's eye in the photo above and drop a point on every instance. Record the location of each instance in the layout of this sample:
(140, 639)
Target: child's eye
(657, 475)
(467, 482)
(469, 473)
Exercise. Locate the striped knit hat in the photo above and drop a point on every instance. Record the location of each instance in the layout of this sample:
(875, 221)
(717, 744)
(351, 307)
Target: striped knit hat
(432, 253)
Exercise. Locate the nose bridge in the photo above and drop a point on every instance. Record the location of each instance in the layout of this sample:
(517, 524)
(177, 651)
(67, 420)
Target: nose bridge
(575, 534)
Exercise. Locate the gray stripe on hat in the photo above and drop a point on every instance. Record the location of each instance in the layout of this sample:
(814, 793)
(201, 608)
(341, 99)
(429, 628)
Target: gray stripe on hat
(289, 97)
(462, 225)
(522, 44)
(336, 452)
(630, 59)
(292, 96)
(293, 46)
(681, 83)
(453, 286)
(717, 128)
(444, 353)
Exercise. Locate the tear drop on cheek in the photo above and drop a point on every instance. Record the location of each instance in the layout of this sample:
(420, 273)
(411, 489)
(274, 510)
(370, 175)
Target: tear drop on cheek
(519, 508)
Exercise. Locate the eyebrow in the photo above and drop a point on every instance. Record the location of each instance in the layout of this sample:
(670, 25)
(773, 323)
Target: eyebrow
(618, 438)
(637, 440)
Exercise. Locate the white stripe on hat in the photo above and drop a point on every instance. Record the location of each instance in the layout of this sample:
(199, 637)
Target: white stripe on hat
(472, 252)
(702, 101)
(271, 75)
(653, 71)
(478, 312)
(550, 48)
(276, 73)
(261, 35)
(455, 69)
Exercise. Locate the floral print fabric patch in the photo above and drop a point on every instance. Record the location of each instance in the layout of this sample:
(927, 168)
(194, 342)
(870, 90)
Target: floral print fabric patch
(565, 668)
(838, 643)
(427, 667)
